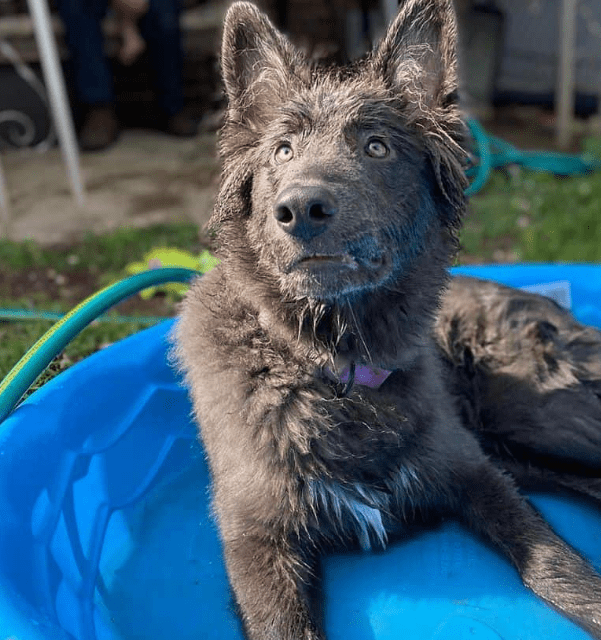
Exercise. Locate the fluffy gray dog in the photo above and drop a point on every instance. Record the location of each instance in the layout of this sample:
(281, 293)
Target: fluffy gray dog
(337, 403)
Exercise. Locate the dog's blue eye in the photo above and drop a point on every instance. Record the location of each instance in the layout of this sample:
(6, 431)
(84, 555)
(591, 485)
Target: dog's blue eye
(376, 148)
(283, 153)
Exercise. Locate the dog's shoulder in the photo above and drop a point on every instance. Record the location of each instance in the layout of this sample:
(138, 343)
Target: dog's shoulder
(209, 336)
(228, 346)
(213, 318)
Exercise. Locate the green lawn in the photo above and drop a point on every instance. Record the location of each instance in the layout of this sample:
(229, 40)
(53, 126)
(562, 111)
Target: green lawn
(58, 278)
(518, 216)
(534, 217)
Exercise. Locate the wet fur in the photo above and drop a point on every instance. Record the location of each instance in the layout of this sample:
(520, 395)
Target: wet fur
(528, 379)
(301, 464)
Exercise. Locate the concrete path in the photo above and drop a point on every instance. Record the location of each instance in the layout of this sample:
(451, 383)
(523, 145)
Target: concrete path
(145, 178)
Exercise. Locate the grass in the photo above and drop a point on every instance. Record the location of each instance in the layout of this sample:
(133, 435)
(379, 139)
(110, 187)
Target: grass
(58, 278)
(101, 255)
(534, 217)
(518, 216)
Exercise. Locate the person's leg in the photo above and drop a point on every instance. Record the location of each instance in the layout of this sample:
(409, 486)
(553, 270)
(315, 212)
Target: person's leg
(161, 30)
(91, 72)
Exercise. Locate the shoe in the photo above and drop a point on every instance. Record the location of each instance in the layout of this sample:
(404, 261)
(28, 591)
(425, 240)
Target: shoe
(181, 125)
(100, 129)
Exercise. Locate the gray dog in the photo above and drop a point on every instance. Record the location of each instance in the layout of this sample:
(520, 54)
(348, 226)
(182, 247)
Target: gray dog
(337, 403)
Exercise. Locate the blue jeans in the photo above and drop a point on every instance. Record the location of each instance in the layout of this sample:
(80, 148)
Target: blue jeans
(91, 71)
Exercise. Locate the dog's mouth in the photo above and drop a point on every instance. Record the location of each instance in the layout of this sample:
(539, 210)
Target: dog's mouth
(336, 260)
(319, 260)
(325, 274)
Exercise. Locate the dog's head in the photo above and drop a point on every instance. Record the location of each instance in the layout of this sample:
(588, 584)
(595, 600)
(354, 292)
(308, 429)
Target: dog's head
(336, 181)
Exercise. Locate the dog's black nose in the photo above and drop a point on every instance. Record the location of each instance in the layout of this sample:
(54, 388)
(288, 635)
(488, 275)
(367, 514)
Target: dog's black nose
(304, 211)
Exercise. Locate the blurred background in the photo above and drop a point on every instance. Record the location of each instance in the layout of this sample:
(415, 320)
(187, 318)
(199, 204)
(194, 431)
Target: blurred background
(148, 172)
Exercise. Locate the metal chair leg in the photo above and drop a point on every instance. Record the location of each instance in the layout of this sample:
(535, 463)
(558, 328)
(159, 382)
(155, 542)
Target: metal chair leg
(57, 94)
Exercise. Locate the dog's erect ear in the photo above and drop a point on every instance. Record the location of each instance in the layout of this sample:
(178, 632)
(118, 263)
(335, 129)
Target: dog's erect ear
(257, 60)
(418, 60)
(418, 55)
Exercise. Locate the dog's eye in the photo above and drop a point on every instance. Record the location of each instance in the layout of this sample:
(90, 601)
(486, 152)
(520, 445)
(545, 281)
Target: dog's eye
(376, 148)
(283, 153)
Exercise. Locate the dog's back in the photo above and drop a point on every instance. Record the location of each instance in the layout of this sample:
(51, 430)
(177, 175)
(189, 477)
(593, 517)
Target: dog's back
(528, 377)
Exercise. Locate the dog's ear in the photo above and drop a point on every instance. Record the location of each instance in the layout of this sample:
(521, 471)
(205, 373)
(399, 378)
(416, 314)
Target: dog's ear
(418, 55)
(257, 61)
(418, 61)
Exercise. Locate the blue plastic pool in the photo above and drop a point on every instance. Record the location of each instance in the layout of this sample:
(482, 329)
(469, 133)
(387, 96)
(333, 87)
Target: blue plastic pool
(106, 533)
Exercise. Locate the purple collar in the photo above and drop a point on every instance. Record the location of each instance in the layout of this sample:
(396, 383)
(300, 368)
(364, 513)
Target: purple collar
(361, 374)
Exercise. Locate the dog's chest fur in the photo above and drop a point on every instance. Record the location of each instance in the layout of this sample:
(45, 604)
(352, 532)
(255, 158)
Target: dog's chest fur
(349, 511)
(365, 515)
(337, 465)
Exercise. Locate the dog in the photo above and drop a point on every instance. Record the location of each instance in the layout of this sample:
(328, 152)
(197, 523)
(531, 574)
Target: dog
(344, 388)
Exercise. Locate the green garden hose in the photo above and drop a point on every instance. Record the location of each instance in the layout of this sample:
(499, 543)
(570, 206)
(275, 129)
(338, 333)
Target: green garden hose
(483, 154)
(492, 153)
(18, 315)
(39, 356)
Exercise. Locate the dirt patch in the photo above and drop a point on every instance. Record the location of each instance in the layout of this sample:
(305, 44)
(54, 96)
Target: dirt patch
(30, 286)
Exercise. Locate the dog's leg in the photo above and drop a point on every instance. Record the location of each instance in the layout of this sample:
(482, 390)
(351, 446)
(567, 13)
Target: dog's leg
(491, 505)
(530, 477)
(271, 582)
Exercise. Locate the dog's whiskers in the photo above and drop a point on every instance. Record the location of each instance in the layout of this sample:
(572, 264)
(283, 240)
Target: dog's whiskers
(359, 333)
